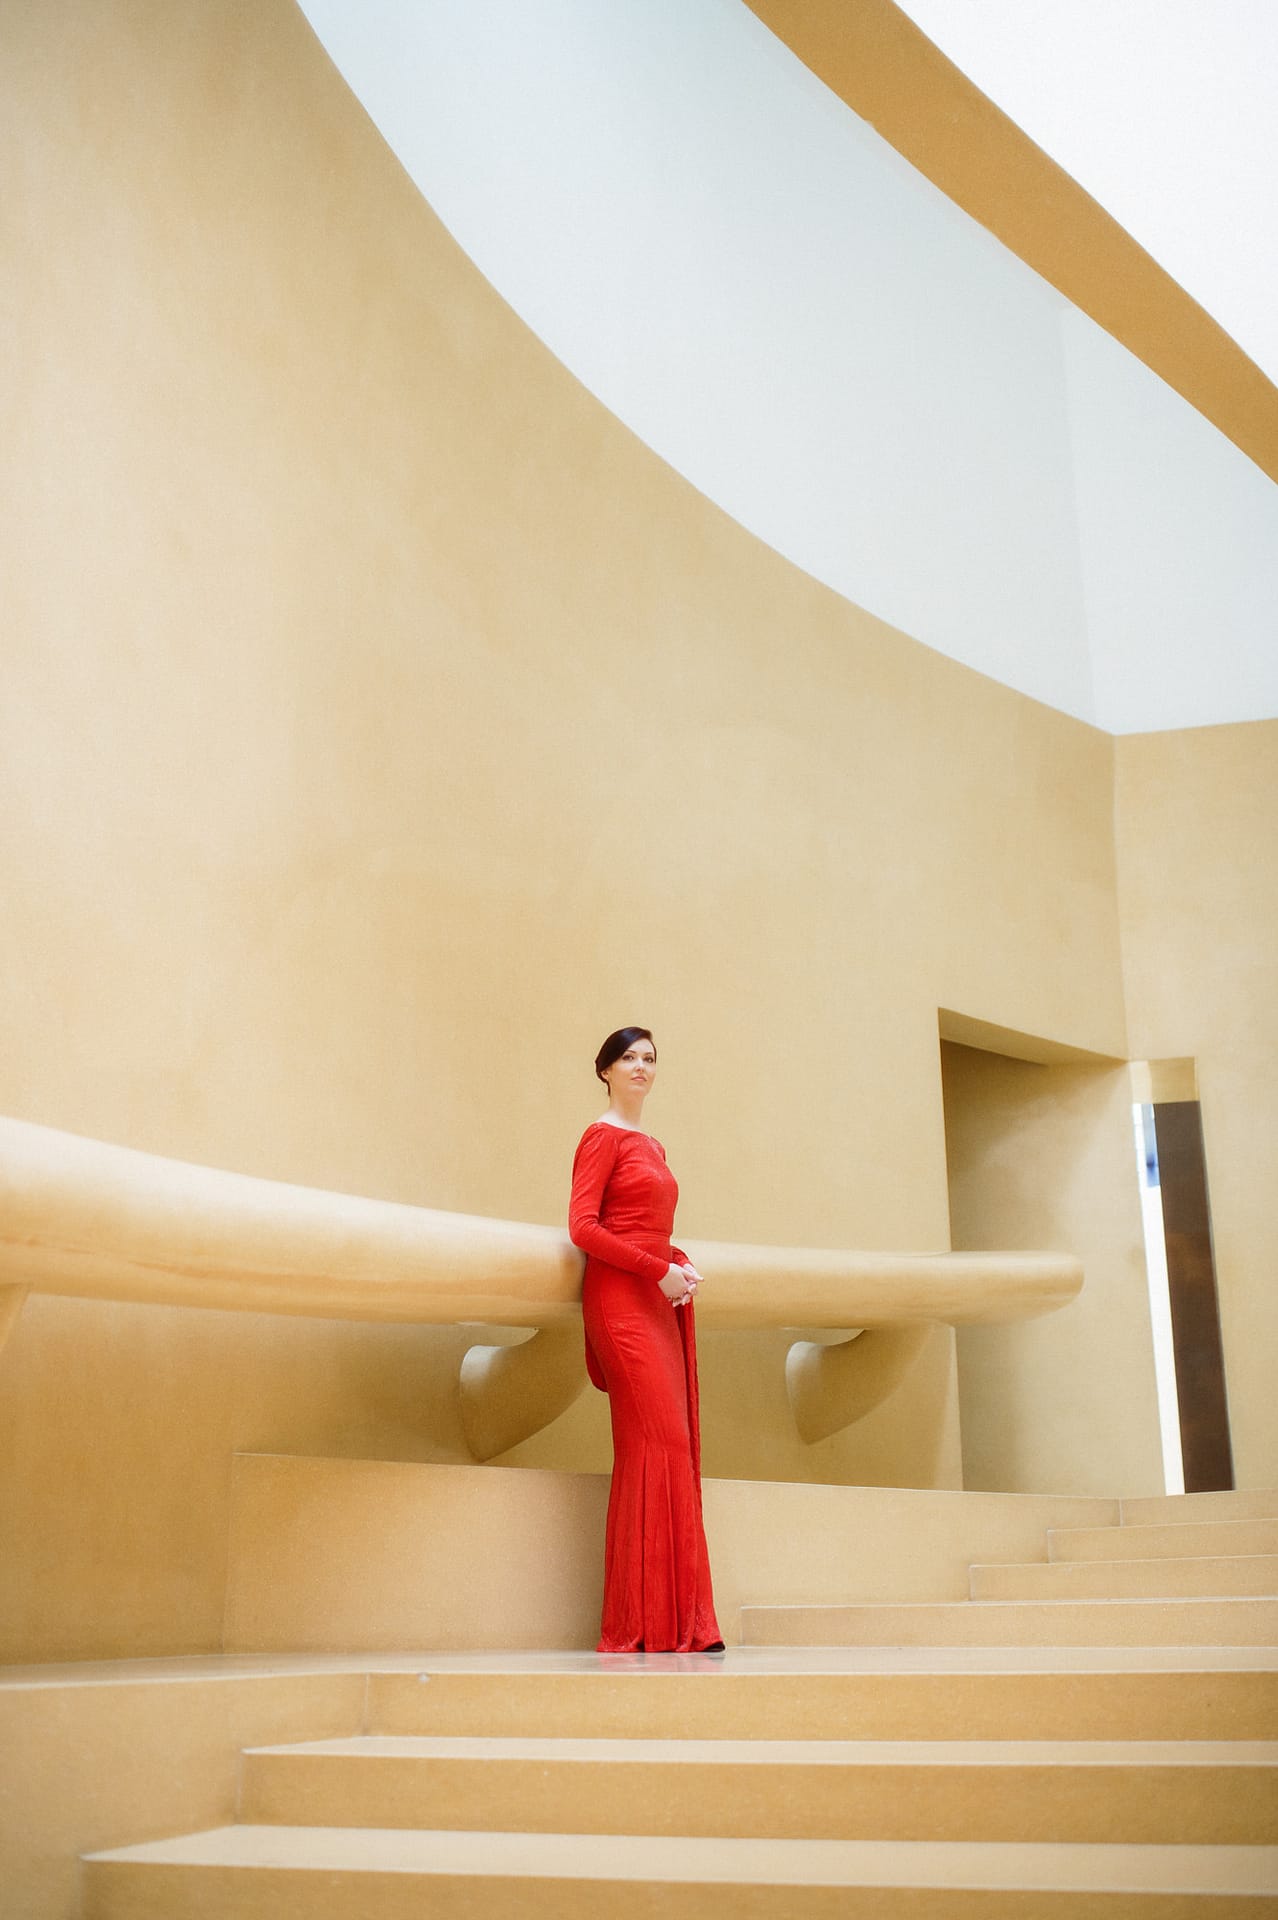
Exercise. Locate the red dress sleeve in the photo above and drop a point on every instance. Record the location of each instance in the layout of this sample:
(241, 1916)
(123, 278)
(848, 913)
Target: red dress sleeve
(594, 1161)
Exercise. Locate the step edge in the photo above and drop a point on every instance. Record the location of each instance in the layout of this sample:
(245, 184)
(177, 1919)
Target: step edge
(1125, 1560)
(1196, 1867)
(917, 1606)
(956, 1751)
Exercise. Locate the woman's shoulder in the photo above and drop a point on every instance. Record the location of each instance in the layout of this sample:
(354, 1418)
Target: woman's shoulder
(626, 1133)
(603, 1134)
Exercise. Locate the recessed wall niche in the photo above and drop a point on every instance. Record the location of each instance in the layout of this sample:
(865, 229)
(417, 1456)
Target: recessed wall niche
(1039, 1155)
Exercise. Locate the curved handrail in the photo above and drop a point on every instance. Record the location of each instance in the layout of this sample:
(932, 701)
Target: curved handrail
(88, 1219)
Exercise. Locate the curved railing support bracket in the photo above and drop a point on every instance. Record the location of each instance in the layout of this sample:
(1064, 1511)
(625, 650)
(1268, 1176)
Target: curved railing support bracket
(510, 1393)
(833, 1387)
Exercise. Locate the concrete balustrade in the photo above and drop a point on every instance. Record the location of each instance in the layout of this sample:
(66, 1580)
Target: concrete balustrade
(85, 1218)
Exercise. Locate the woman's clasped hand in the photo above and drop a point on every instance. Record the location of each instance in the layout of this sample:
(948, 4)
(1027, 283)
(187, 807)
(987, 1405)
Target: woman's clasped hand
(680, 1283)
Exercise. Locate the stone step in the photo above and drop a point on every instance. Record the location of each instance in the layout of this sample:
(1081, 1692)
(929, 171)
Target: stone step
(1161, 1579)
(1174, 1541)
(299, 1525)
(1164, 1509)
(339, 1873)
(1147, 1792)
(1068, 1623)
(996, 1694)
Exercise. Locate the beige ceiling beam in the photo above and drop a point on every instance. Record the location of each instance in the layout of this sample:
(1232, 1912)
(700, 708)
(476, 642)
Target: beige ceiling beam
(890, 74)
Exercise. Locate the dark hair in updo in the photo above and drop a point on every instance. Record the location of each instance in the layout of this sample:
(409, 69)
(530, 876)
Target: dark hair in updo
(615, 1045)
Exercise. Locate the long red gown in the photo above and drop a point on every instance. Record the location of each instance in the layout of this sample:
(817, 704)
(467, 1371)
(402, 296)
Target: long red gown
(641, 1351)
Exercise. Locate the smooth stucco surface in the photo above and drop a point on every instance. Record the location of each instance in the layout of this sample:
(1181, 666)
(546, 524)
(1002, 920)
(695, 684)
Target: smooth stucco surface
(384, 724)
(850, 301)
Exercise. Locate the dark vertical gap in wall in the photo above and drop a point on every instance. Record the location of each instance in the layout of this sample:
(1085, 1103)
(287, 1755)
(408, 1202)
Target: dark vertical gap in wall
(1195, 1311)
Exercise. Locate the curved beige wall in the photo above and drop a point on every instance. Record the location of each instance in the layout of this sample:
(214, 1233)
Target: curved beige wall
(383, 723)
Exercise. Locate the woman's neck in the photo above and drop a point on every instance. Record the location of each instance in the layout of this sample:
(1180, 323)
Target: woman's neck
(623, 1112)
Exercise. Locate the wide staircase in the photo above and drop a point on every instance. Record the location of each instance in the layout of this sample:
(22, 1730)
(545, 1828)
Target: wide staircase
(1093, 1733)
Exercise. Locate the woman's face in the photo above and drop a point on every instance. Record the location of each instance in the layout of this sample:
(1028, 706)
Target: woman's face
(633, 1071)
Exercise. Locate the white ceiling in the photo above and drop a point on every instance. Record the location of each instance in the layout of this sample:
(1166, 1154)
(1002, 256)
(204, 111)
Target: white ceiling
(813, 335)
(1166, 111)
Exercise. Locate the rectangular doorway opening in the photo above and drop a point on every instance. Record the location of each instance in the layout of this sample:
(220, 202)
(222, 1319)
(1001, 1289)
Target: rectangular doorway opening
(1180, 1262)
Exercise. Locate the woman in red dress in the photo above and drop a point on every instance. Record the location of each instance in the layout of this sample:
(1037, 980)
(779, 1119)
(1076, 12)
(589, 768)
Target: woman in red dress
(641, 1351)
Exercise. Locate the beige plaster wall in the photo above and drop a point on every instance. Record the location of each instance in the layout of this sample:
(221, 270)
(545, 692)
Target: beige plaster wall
(1044, 1156)
(910, 1440)
(1197, 827)
(118, 1430)
(382, 724)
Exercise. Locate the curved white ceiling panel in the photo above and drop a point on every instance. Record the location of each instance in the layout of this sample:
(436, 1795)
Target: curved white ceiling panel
(765, 293)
